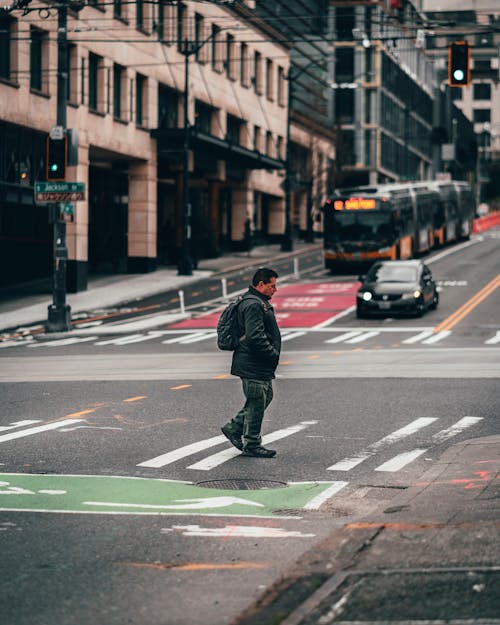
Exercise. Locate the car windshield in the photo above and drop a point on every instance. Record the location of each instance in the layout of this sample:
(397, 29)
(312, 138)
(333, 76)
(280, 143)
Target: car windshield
(392, 273)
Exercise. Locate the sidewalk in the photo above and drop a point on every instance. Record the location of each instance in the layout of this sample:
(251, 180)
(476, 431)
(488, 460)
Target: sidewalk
(432, 555)
(21, 309)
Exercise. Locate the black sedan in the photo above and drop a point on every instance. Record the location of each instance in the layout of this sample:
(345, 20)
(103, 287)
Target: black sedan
(396, 287)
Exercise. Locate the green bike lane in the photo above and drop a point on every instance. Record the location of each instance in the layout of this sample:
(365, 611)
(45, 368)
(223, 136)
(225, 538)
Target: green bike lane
(96, 494)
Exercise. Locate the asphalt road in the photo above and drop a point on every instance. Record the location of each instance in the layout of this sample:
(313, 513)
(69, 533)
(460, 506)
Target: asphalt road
(121, 502)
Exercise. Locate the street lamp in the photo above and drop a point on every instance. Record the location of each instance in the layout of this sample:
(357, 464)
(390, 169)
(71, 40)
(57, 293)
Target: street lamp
(287, 240)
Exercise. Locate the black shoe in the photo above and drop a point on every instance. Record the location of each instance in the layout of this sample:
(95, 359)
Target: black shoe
(234, 440)
(259, 452)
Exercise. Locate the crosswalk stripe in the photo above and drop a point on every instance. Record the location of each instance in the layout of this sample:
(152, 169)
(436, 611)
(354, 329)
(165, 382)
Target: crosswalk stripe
(495, 339)
(216, 459)
(400, 461)
(59, 342)
(438, 336)
(343, 337)
(122, 340)
(363, 337)
(349, 463)
(292, 335)
(182, 452)
(202, 337)
(418, 337)
(37, 429)
(188, 338)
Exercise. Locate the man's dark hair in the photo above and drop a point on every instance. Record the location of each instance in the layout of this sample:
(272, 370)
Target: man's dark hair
(264, 274)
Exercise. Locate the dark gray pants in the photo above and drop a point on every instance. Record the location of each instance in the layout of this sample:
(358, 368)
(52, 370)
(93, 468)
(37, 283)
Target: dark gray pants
(247, 423)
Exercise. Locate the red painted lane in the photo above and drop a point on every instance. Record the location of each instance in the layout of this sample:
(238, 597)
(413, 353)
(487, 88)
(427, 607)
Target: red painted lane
(296, 305)
(315, 288)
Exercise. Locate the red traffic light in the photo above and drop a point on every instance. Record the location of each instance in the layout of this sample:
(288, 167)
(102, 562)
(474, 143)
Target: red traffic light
(459, 64)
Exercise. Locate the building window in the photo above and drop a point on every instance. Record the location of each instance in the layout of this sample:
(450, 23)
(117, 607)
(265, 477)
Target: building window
(257, 138)
(483, 65)
(344, 64)
(230, 57)
(269, 143)
(281, 86)
(168, 107)
(6, 31)
(216, 48)
(344, 106)
(139, 14)
(482, 91)
(118, 90)
(38, 41)
(481, 115)
(257, 72)
(280, 146)
(203, 117)
(118, 9)
(140, 99)
(233, 133)
(72, 85)
(344, 23)
(96, 87)
(181, 26)
(270, 90)
(166, 26)
(244, 65)
(199, 38)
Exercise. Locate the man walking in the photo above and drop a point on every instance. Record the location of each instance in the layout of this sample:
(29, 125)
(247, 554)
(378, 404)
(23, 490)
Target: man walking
(255, 361)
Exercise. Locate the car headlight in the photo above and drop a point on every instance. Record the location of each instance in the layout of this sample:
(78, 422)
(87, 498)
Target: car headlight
(366, 296)
(414, 295)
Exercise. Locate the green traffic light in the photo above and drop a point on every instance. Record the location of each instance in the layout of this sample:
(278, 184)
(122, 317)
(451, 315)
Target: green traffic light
(54, 167)
(458, 74)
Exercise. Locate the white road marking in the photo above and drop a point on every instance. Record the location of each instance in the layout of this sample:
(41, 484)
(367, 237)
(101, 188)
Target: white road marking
(349, 463)
(132, 338)
(494, 340)
(344, 337)
(18, 424)
(202, 337)
(316, 502)
(238, 531)
(455, 429)
(38, 429)
(292, 335)
(363, 337)
(189, 338)
(398, 462)
(223, 456)
(199, 503)
(418, 337)
(438, 336)
(326, 323)
(59, 342)
(182, 452)
(401, 460)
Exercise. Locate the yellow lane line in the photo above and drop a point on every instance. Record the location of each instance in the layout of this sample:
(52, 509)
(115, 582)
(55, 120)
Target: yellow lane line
(469, 306)
(194, 566)
(135, 398)
(181, 386)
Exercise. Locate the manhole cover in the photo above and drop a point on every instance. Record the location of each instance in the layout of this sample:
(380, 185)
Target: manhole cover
(241, 484)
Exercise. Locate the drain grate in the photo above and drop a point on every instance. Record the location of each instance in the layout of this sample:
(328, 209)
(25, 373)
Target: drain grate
(241, 484)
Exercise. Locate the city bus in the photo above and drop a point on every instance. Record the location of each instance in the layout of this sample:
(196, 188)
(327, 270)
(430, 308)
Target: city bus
(394, 221)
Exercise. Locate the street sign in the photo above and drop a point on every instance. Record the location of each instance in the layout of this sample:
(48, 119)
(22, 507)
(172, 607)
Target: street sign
(67, 212)
(56, 132)
(59, 192)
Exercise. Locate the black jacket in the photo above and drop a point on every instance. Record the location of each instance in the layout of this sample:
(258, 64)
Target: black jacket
(258, 353)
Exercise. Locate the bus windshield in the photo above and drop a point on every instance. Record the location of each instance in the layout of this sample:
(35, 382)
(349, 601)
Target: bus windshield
(362, 226)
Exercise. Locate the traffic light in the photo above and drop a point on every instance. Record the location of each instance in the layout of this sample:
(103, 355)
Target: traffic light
(56, 158)
(459, 64)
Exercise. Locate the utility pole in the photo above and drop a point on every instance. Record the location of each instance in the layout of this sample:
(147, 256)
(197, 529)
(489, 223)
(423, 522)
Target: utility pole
(59, 312)
(185, 266)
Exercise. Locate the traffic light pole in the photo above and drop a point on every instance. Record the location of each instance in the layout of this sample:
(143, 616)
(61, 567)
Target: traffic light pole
(59, 313)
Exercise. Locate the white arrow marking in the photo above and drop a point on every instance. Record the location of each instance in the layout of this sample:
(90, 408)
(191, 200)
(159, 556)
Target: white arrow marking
(18, 424)
(190, 504)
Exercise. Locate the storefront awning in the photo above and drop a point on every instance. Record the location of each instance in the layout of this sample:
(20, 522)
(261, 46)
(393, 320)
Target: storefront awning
(170, 141)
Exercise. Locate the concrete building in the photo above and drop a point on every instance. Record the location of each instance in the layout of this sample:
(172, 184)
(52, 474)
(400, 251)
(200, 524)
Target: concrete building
(126, 90)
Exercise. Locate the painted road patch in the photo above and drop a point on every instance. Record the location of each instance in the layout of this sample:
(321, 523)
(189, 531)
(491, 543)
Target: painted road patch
(91, 494)
(296, 305)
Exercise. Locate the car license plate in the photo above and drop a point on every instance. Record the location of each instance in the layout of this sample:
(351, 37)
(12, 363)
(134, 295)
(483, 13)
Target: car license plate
(384, 305)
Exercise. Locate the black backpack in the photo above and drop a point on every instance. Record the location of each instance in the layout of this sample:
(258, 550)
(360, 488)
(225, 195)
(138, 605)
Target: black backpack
(228, 336)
